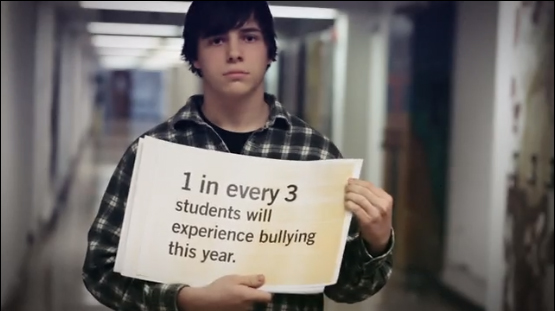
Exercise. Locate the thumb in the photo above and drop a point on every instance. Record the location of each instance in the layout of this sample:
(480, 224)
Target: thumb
(254, 281)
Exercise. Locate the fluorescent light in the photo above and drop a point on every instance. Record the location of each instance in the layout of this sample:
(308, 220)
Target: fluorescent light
(134, 29)
(173, 44)
(128, 42)
(182, 7)
(168, 55)
(113, 43)
(161, 59)
(156, 63)
(143, 6)
(122, 52)
(119, 62)
(302, 12)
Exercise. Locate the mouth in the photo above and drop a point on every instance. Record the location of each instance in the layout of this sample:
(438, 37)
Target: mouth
(236, 73)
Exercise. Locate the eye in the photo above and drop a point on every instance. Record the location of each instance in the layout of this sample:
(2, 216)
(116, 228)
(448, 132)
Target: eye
(216, 41)
(251, 38)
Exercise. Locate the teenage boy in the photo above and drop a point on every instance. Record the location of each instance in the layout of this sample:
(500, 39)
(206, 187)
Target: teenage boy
(230, 45)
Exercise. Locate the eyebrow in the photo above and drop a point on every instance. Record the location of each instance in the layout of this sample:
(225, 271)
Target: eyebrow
(249, 29)
(241, 30)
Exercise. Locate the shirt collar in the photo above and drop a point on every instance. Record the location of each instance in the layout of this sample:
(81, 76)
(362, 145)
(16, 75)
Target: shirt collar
(279, 116)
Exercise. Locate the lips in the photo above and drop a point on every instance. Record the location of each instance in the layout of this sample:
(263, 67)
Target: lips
(235, 72)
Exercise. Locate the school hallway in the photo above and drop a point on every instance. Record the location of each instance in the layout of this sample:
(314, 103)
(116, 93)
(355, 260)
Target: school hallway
(435, 97)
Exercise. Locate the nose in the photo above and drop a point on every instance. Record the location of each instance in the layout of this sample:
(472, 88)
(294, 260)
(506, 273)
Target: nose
(234, 53)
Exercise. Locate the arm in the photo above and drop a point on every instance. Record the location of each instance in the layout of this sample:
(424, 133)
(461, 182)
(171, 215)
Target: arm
(361, 275)
(112, 289)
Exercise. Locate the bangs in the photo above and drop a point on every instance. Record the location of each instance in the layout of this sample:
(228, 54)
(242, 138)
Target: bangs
(219, 17)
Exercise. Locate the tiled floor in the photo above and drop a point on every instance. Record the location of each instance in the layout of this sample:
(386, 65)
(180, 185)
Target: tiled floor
(54, 277)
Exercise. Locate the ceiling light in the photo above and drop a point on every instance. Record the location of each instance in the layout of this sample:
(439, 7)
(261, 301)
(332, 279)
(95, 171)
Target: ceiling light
(135, 29)
(143, 6)
(161, 59)
(128, 42)
(303, 12)
(121, 52)
(173, 44)
(167, 54)
(182, 7)
(157, 63)
(119, 62)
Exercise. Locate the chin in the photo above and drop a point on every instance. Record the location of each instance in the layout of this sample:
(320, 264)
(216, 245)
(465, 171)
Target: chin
(238, 90)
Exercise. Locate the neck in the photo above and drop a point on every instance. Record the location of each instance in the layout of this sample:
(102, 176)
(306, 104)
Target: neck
(242, 114)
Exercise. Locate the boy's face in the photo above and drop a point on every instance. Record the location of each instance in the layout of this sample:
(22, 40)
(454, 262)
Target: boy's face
(234, 63)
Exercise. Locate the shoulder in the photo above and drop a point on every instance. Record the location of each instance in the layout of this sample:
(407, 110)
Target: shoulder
(316, 143)
(302, 140)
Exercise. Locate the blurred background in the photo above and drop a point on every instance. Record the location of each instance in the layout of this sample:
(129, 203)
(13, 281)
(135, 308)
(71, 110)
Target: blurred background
(450, 103)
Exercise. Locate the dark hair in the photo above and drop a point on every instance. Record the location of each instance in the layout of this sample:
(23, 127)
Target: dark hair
(210, 18)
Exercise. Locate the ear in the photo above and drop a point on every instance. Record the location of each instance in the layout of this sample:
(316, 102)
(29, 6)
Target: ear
(196, 64)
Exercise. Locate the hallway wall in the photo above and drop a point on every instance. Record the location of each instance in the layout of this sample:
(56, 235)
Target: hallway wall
(471, 165)
(498, 243)
(528, 216)
(29, 90)
(18, 47)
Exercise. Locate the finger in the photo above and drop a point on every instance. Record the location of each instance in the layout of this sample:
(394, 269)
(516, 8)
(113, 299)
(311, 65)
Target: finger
(365, 205)
(363, 202)
(369, 185)
(255, 295)
(359, 212)
(254, 281)
(375, 200)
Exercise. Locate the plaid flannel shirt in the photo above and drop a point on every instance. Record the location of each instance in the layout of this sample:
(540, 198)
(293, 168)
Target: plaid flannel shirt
(283, 137)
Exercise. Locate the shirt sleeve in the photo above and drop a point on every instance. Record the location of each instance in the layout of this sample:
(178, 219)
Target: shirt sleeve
(361, 275)
(108, 287)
